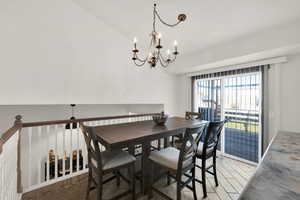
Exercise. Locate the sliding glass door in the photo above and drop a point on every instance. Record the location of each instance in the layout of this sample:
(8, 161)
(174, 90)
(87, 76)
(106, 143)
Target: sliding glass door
(238, 99)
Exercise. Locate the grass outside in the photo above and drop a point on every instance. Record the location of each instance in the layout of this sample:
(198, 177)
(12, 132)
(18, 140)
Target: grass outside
(242, 125)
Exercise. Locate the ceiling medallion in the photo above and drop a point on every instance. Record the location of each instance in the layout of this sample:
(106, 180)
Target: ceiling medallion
(155, 49)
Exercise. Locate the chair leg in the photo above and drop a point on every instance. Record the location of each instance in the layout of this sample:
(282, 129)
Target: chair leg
(89, 184)
(168, 178)
(173, 141)
(99, 188)
(150, 194)
(215, 169)
(158, 144)
(203, 171)
(118, 178)
(132, 173)
(178, 190)
(194, 182)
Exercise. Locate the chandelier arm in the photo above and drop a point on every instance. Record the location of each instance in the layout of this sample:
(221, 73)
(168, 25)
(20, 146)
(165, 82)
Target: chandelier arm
(141, 60)
(139, 64)
(175, 56)
(151, 42)
(165, 23)
(162, 63)
(157, 57)
(161, 56)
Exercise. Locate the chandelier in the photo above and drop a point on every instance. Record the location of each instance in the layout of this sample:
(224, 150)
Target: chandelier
(155, 54)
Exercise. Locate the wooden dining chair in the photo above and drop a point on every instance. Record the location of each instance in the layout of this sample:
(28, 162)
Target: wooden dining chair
(178, 139)
(178, 162)
(207, 148)
(101, 163)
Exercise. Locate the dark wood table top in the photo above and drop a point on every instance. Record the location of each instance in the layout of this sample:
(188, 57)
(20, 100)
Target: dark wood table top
(137, 132)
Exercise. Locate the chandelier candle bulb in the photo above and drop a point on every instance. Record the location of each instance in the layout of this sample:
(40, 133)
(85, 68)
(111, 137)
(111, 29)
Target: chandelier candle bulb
(175, 45)
(159, 37)
(159, 41)
(134, 42)
(168, 53)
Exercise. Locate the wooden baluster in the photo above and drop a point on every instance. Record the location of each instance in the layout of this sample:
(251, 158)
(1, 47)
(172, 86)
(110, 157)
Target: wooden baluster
(84, 150)
(29, 155)
(56, 131)
(71, 148)
(47, 151)
(64, 152)
(38, 153)
(4, 174)
(77, 147)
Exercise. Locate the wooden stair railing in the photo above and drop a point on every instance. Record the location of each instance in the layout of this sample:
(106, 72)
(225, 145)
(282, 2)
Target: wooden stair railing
(55, 122)
(50, 152)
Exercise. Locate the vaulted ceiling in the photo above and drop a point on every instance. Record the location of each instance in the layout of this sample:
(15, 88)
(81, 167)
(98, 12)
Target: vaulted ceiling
(209, 22)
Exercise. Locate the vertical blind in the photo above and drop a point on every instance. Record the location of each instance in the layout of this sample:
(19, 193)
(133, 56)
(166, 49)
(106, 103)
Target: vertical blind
(231, 72)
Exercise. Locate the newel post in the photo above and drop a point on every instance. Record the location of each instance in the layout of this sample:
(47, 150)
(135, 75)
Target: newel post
(18, 120)
(18, 123)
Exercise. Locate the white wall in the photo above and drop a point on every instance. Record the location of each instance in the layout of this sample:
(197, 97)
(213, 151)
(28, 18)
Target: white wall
(272, 42)
(54, 52)
(290, 94)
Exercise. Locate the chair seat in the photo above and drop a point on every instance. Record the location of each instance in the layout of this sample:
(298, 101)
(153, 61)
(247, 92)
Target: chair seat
(114, 159)
(200, 149)
(168, 157)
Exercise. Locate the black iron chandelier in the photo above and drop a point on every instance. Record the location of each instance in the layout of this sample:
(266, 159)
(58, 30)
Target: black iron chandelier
(155, 49)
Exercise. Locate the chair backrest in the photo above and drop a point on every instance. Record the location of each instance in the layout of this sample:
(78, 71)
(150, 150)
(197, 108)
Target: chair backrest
(198, 131)
(192, 115)
(212, 135)
(189, 146)
(92, 145)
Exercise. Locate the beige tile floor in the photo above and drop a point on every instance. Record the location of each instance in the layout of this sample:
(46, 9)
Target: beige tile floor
(233, 176)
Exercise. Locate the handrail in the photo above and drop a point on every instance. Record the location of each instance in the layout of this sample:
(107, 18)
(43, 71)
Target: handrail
(18, 124)
(44, 123)
(10, 132)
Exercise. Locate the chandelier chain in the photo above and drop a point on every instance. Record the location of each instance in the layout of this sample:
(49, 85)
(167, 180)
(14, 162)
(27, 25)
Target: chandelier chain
(165, 23)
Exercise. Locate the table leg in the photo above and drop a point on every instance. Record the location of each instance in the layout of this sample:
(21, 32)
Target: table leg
(131, 150)
(146, 148)
(166, 142)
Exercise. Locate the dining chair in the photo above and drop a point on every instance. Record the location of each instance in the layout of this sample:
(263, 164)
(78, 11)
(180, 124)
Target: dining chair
(207, 148)
(177, 139)
(178, 162)
(102, 163)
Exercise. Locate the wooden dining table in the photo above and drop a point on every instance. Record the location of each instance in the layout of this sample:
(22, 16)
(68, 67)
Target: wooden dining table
(118, 136)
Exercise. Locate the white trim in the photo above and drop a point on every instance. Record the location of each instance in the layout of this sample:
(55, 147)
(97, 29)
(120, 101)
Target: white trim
(44, 184)
(275, 60)
(240, 159)
(222, 115)
(260, 132)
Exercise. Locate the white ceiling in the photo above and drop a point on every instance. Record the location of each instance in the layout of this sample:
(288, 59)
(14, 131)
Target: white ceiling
(209, 22)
